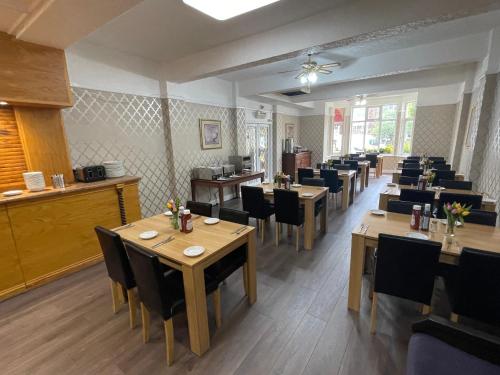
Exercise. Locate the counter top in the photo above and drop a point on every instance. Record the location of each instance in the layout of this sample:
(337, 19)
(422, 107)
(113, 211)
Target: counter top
(75, 187)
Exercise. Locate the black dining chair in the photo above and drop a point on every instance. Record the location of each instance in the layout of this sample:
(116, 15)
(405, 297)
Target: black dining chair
(414, 195)
(354, 164)
(443, 175)
(441, 167)
(411, 166)
(256, 205)
(318, 205)
(288, 211)
(120, 274)
(453, 184)
(401, 207)
(200, 208)
(405, 180)
(334, 161)
(473, 288)
(373, 159)
(472, 200)
(342, 167)
(412, 158)
(482, 217)
(304, 172)
(436, 158)
(331, 177)
(412, 172)
(405, 268)
(163, 293)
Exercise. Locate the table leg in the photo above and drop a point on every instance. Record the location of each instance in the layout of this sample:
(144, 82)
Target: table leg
(309, 224)
(346, 193)
(383, 201)
(353, 189)
(395, 178)
(367, 175)
(193, 191)
(324, 215)
(221, 196)
(251, 273)
(356, 271)
(196, 309)
(237, 190)
(362, 179)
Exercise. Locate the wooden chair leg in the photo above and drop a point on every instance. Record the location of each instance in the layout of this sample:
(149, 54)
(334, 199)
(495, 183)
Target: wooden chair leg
(245, 278)
(169, 340)
(145, 323)
(426, 309)
(289, 230)
(218, 312)
(261, 230)
(373, 317)
(132, 307)
(277, 233)
(297, 238)
(114, 295)
(454, 317)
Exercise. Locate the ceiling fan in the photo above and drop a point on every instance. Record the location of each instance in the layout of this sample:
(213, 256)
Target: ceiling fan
(310, 70)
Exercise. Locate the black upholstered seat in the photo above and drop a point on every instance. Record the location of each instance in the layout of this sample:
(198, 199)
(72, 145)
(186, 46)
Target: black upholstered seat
(342, 167)
(304, 173)
(411, 165)
(318, 206)
(441, 166)
(200, 208)
(452, 184)
(256, 205)
(331, 177)
(411, 172)
(401, 207)
(464, 199)
(443, 175)
(288, 211)
(482, 217)
(405, 180)
(414, 195)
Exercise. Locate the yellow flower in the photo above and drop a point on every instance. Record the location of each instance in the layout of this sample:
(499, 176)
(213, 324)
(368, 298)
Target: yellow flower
(465, 213)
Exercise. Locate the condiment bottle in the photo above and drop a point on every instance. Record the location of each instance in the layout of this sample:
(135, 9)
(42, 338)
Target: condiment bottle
(426, 218)
(415, 217)
(186, 222)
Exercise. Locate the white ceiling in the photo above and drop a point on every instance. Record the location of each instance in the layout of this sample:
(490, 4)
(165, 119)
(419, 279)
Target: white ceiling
(166, 30)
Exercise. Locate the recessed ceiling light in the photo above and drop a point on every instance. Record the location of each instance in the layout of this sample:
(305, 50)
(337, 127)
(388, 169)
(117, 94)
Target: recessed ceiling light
(225, 9)
(3, 102)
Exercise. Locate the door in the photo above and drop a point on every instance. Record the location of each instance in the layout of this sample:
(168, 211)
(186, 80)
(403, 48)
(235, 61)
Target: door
(258, 138)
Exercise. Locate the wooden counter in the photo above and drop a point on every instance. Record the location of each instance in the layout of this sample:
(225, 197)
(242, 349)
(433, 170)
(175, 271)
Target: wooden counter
(48, 234)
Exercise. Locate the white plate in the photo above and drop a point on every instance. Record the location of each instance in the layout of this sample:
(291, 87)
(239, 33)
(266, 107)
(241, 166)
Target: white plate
(296, 185)
(168, 213)
(211, 220)
(194, 251)
(148, 235)
(417, 235)
(391, 184)
(268, 191)
(307, 195)
(11, 193)
(377, 212)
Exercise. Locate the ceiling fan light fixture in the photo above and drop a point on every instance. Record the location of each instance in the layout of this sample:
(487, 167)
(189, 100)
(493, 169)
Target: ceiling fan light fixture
(303, 79)
(225, 9)
(312, 77)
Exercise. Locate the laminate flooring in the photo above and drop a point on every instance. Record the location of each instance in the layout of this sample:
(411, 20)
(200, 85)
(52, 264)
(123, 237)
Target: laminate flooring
(300, 323)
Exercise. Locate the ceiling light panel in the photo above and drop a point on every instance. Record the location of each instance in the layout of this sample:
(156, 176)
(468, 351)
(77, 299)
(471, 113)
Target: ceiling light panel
(225, 9)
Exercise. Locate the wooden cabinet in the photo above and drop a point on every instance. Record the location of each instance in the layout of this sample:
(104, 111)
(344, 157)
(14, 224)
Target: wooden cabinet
(292, 162)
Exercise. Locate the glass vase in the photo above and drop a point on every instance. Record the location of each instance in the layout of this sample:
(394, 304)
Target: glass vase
(450, 230)
(175, 220)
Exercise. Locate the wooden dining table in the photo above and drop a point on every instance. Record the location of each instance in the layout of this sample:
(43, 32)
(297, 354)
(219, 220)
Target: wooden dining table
(218, 240)
(366, 234)
(308, 202)
(396, 174)
(393, 192)
(364, 174)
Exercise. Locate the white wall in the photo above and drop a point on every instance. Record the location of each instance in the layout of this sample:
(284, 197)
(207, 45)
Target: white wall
(440, 95)
(209, 91)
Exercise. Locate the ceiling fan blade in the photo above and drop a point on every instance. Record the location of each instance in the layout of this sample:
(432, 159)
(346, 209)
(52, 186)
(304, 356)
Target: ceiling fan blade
(324, 71)
(301, 75)
(330, 65)
(288, 71)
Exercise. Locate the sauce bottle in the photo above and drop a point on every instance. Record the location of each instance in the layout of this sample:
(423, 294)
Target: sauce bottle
(426, 218)
(415, 217)
(186, 222)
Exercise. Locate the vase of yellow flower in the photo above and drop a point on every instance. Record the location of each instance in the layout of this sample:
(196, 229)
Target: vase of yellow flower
(454, 212)
(173, 205)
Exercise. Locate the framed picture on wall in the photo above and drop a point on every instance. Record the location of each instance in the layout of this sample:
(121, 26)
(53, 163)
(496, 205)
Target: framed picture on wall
(290, 131)
(210, 134)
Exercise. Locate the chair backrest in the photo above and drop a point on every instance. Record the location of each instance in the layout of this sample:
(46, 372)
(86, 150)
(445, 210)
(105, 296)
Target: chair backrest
(435, 158)
(411, 166)
(477, 290)
(149, 278)
(353, 155)
(331, 177)
(342, 167)
(444, 175)
(115, 257)
(441, 167)
(464, 199)
(253, 200)
(411, 172)
(353, 163)
(453, 184)
(373, 159)
(401, 207)
(335, 161)
(405, 180)
(482, 217)
(414, 195)
(305, 172)
(412, 158)
(406, 267)
(200, 208)
(286, 206)
(313, 181)
(235, 216)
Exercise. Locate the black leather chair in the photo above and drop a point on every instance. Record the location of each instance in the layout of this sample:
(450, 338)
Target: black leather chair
(288, 211)
(413, 158)
(436, 158)
(342, 167)
(120, 274)
(334, 161)
(318, 206)
(321, 166)
(463, 199)
(200, 208)
(401, 207)
(411, 165)
(474, 288)
(405, 268)
(354, 164)
(331, 177)
(412, 172)
(405, 180)
(443, 175)
(256, 205)
(373, 159)
(304, 172)
(414, 195)
(441, 166)
(452, 184)
(482, 217)
(162, 293)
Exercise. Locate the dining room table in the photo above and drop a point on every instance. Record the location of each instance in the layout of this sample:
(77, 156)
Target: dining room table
(393, 192)
(217, 239)
(365, 235)
(396, 174)
(308, 196)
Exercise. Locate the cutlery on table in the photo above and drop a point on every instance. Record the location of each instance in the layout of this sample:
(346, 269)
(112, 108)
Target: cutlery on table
(124, 226)
(239, 230)
(163, 242)
(361, 228)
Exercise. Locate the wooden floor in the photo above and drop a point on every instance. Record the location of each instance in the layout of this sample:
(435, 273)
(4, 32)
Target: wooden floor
(299, 325)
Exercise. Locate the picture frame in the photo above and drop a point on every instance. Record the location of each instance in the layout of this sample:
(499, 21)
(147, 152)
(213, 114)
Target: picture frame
(210, 134)
(290, 131)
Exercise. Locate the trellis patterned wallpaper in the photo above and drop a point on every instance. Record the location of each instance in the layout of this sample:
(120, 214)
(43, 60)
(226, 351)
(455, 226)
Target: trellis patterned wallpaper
(434, 129)
(110, 126)
(311, 133)
(280, 120)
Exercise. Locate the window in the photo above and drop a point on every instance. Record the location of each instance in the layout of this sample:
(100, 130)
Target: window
(408, 123)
